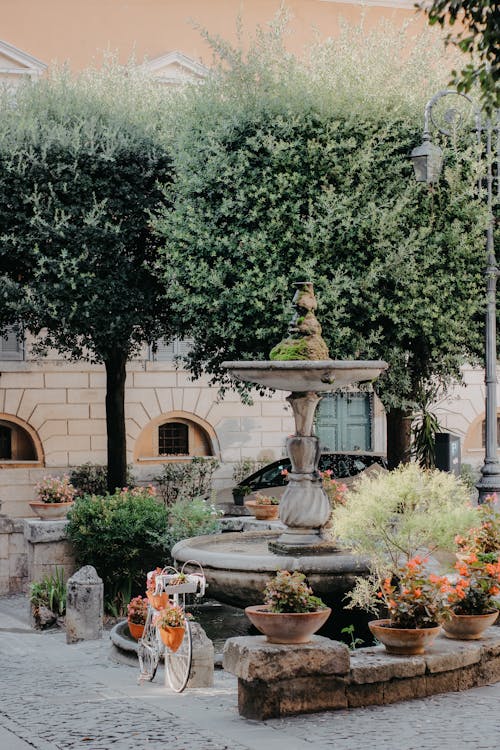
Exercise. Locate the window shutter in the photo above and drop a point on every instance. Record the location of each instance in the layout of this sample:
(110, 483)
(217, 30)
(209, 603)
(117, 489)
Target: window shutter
(10, 347)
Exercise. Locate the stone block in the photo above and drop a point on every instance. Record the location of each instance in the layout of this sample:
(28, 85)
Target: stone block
(253, 658)
(97, 379)
(403, 690)
(33, 397)
(67, 443)
(376, 665)
(53, 427)
(489, 671)
(490, 643)
(442, 682)
(468, 677)
(44, 412)
(369, 694)
(447, 653)
(86, 395)
(97, 411)
(155, 379)
(17, 380)
(202, 667)
(259, 700)
(164, 396)
(66, 379)
(84, 606)
(37, 531)
(87, 427)
(4, 546)
(190, 399)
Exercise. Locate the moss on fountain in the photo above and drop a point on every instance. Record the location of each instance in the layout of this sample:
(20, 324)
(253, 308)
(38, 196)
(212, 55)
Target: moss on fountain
(304, 341)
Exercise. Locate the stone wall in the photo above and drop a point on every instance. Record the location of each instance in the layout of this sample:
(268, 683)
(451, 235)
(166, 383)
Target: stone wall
(277, 680)
(13, 556)
(31, 549)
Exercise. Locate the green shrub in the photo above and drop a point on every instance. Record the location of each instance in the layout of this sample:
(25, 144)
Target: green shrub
(50, 592)
(191, 517)
(92, 479)
(123, 536)
(185, 481)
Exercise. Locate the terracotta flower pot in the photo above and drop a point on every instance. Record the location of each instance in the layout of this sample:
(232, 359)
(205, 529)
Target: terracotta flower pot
(287, 627)
(172, 637)
(135, 630)
(158, 601)
(468, 627)
(50, 511)
(403, 641)
(263, 512)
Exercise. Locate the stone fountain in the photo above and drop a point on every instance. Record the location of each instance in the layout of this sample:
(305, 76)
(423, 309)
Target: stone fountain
(237, 565)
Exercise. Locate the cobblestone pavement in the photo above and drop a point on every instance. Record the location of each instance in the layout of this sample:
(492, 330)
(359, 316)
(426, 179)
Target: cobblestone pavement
(55, 696)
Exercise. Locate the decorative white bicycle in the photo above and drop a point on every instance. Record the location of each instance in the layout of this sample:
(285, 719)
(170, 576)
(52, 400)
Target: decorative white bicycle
(170, 585)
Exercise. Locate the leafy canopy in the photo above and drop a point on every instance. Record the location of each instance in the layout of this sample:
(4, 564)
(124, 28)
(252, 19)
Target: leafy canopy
(479, 37)
(81, 159)
(289, 171)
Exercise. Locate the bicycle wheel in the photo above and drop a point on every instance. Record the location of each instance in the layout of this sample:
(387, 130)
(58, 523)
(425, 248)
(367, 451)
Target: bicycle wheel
(148, 652)
(178, 663)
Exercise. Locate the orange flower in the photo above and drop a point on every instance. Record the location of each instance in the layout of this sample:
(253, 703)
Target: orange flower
(417, 593)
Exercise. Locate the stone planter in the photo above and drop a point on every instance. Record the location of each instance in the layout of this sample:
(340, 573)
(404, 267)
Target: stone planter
(468, 627)
(403, 641)
(263, 512)
(287, 627)
(50, 511)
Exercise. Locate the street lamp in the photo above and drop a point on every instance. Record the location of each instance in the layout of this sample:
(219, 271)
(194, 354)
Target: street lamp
(427, 162)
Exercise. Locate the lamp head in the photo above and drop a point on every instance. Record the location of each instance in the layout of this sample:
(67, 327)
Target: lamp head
(427, 161)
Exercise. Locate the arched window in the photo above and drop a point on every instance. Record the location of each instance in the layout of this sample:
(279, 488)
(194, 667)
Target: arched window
(173, 439)
(18, 443)
(5, 443)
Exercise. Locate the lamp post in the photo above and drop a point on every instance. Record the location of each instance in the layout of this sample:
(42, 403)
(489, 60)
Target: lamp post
(427, 162)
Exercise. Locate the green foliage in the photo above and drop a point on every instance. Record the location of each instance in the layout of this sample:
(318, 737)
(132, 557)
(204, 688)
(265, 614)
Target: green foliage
(92, 479)
(287, 171)
(479, 37)
(397, 514)
(191, 517)
(81, 159)
(123, 536)
(424, 427)
(290, 350)
(50, 592)
(469, 476)
(353, 641)
(185, 481)
(290, 592)
(246, 466)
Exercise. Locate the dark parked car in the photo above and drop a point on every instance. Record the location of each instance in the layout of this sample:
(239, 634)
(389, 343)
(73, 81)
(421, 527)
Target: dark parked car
(271, 477)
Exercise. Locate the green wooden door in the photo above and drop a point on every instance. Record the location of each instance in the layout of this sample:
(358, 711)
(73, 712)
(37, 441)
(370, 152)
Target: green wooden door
(343, 422)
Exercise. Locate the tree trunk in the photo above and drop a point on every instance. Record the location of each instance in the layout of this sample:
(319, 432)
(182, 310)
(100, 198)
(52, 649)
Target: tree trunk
(398, 437)
(115, 420)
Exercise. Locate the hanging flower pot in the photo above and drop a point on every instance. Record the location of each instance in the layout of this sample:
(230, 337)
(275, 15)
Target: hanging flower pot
(158, 601)
(172, 637)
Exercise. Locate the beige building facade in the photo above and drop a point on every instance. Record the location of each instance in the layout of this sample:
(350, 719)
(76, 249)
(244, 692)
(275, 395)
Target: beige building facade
(52, 413)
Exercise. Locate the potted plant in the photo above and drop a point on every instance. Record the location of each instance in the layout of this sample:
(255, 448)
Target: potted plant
(137, 611)
(55, 497)
(157, 599)
(393, 519)
(417, 604)
(240, 492)
(264, 507)
(290, 613)
(472, 594)
(171, 625)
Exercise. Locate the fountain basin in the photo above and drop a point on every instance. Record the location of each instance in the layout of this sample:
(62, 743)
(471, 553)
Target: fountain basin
(237, 566)
(306, 375)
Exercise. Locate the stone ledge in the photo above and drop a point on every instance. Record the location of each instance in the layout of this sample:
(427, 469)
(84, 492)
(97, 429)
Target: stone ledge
(253, 658)
(37, 531)
(277, 680)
